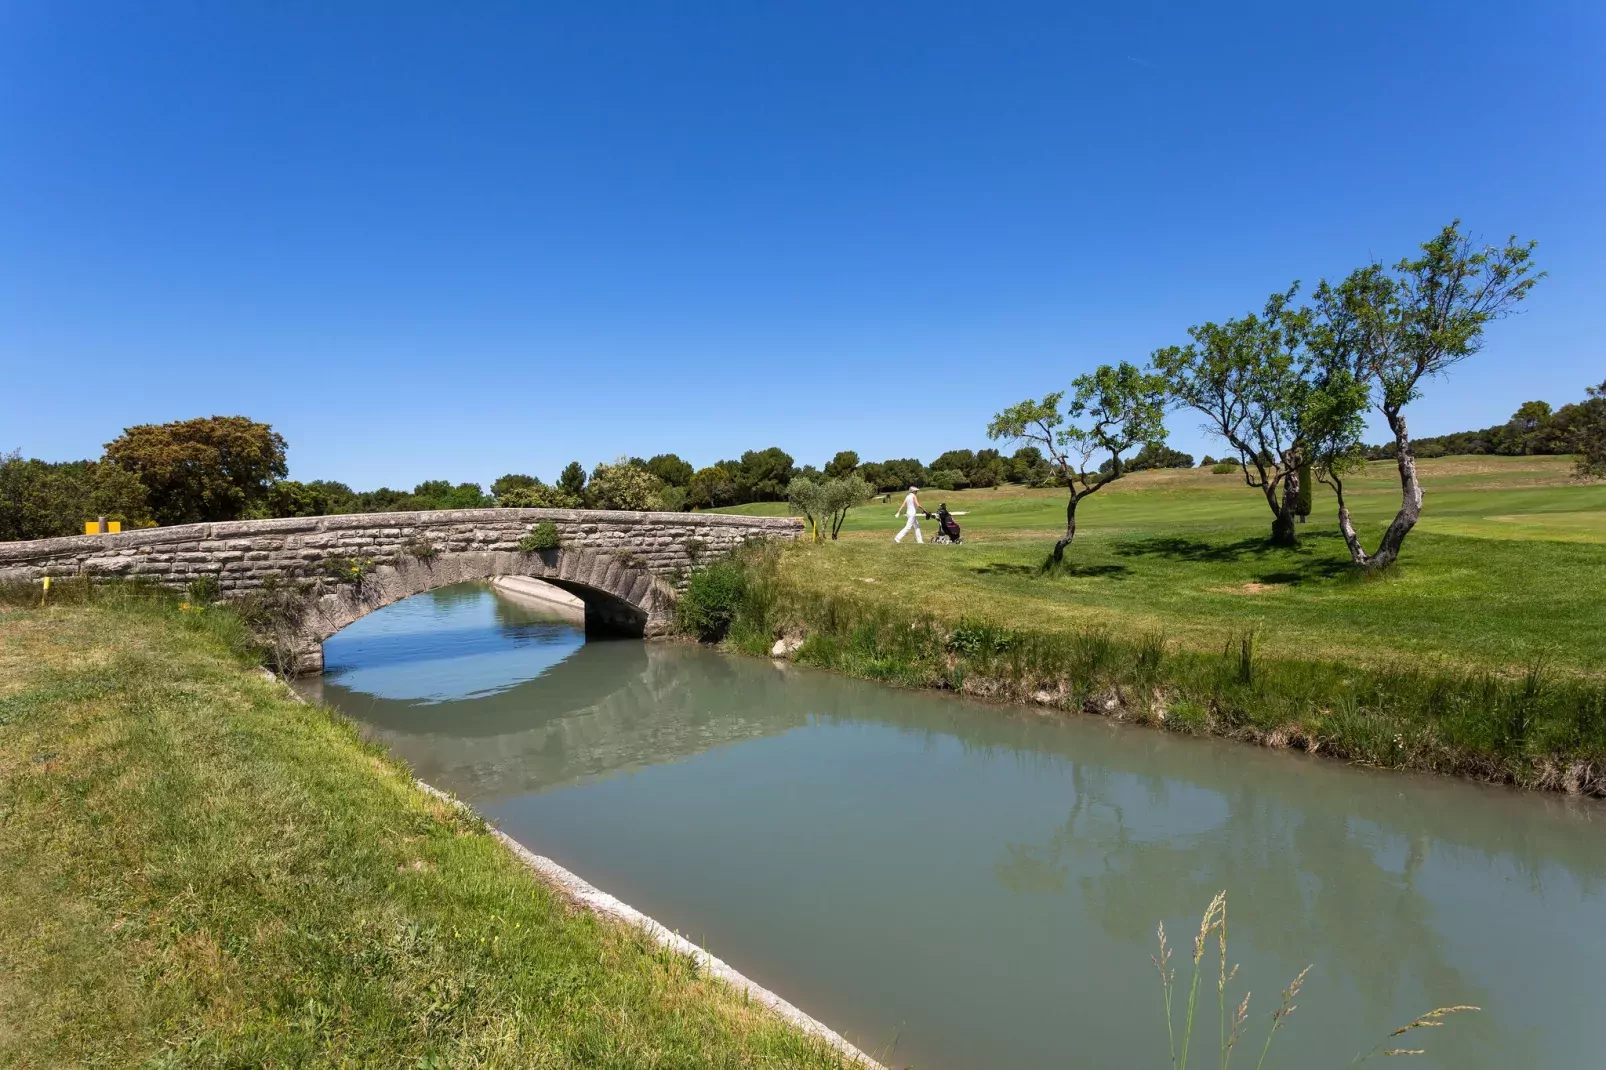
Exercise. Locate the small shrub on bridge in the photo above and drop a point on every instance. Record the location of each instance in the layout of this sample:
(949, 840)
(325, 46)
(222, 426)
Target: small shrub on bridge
(544, 536)
(348, 569)
(711, 600)
(422, 549)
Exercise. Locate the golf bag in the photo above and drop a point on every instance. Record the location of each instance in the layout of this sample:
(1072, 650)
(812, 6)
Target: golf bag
(947, 526)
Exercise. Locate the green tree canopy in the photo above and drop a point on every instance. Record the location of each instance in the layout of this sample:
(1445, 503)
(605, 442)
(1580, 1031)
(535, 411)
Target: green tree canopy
(513, 481)
(1394, 330)
(670, 470)
(206, 469)
(572, 480)
(713, 487)
(843, 464)
(1112, 410)
(442, 494)
(1589, 434)
(623, 485)
(41, 500)
(764, 474)
(1247, 378)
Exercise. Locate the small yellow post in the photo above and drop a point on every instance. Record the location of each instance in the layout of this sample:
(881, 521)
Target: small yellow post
(114, 526)
(91, 527)
(45, 584)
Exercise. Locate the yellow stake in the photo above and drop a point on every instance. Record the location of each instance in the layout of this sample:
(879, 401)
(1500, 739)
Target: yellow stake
(43, 593)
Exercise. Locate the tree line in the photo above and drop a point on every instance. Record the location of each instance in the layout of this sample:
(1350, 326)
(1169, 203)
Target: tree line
(222, 468)
(1535, 429)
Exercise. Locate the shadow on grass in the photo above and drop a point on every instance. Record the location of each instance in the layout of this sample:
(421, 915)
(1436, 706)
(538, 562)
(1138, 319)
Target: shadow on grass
(1048, 568)
(1299, 564)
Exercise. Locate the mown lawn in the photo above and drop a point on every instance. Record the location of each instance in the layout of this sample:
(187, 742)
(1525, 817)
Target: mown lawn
(1506, 570)
(197, 870)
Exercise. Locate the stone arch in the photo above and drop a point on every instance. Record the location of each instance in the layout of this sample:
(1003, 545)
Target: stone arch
(621, 597)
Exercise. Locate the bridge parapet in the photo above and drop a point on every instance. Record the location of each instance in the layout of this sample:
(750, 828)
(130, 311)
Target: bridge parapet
(623, 564)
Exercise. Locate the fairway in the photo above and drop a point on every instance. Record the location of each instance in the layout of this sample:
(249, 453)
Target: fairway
(1506, 569)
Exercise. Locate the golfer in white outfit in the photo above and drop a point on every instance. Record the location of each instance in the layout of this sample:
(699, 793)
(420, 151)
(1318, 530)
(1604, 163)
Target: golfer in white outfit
(911, 505)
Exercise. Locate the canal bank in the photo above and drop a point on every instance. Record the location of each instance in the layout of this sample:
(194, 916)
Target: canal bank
(981, 886)
(1530, 728)
(197, 869)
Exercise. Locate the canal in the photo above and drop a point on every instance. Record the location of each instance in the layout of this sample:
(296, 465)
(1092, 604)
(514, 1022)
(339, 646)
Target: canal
(957, 885)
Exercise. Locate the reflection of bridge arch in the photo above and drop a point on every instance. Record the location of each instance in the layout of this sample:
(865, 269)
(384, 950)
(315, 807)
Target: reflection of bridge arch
(581, 681)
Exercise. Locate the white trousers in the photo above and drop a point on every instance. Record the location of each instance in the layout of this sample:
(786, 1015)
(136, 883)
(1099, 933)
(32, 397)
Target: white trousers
(914, 526)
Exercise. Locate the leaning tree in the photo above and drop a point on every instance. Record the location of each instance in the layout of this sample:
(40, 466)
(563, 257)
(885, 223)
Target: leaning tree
(1111, 411)
(1247, 377)
(1390, 331)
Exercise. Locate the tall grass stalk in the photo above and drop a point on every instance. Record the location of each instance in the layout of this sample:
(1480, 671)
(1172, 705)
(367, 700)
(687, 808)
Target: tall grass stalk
(1214, 922)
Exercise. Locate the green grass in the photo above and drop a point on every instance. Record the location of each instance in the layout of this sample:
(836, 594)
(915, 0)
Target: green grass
(1482, 652)
(197, 870)
(1494, 497)
(1506, 567)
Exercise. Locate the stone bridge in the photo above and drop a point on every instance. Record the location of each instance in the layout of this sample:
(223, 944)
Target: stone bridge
(331, 570)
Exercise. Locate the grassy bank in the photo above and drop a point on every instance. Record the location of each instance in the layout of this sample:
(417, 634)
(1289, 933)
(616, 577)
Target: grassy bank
(1504, 572)
(1537, 726)
(197, 870)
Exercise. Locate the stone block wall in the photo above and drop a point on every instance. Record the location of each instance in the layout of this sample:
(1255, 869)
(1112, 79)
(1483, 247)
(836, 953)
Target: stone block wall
(241, 555)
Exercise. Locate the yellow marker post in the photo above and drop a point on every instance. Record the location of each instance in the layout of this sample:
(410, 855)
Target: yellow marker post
(45, 584)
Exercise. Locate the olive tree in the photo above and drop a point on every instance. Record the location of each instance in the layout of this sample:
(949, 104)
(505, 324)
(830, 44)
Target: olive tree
(840, 495)
(1111, 410)
(1247, 377)
(825, 503)
(1390, 331)
(808, 498)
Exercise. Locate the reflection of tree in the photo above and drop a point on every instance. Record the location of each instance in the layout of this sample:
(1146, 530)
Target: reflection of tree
(1316, 890)
(456, 594)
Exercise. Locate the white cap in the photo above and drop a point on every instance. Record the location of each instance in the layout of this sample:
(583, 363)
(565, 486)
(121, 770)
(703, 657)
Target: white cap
(914, 488)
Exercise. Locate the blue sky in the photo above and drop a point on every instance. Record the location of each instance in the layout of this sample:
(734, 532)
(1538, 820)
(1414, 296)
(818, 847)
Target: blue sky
(431, 242)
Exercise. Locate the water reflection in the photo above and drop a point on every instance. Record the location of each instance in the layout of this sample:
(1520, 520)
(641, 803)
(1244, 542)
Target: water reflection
(449, 644)
(986, 881)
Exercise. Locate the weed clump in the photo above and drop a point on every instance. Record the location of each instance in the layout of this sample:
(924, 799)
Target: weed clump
(544, 536)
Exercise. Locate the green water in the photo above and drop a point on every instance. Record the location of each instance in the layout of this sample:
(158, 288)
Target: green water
(972, 886)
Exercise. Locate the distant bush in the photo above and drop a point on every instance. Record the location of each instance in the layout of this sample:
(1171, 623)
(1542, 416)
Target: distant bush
(1223, 468)
(624, 484)
(544, 536)
(537, 495)
(711, 600)
(947, 479)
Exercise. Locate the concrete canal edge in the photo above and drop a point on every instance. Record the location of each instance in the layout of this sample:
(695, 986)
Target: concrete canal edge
(599, 902)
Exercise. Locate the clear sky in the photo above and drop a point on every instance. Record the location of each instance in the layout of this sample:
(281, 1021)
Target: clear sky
(449, 241)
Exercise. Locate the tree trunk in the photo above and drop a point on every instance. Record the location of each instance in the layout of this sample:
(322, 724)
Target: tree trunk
(1070, 530)
(1410, 497)
(1346, 526)
(1283, 531)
